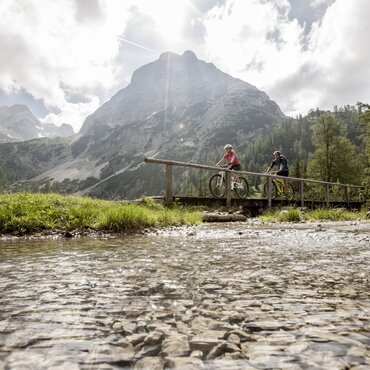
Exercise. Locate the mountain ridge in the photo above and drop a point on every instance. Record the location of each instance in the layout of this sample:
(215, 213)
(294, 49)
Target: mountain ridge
(17, 123)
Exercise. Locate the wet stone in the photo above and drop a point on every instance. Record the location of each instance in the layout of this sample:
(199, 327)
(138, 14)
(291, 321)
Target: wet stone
(111, 354)
(224, 298)
(176, 346)
(152, 363)
(184, 363)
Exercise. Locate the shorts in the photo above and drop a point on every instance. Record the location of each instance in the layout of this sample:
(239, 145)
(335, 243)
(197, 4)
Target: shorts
(236, 167)
(283, 173)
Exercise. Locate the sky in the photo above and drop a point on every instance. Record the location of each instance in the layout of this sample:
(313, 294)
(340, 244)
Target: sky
(65, 58)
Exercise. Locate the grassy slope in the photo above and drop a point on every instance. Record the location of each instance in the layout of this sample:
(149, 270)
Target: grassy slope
(23, 213)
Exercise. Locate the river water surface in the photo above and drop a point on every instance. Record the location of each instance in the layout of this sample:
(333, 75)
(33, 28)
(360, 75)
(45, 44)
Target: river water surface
(219, 296)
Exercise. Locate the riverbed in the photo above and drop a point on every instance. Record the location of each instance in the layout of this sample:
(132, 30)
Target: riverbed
(242, 295)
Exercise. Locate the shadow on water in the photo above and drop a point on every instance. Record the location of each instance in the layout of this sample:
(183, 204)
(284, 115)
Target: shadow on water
(217, 296)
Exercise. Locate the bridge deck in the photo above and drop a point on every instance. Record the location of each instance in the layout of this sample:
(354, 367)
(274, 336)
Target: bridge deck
(255, 205)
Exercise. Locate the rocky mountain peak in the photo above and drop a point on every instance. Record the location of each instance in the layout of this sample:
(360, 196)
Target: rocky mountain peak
(17, 123)
(172, 80)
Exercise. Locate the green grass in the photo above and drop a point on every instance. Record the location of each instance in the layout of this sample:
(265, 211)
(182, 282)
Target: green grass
(320, 214)
(24, 213)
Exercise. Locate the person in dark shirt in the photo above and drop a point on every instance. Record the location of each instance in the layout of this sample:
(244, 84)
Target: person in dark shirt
(281, 163)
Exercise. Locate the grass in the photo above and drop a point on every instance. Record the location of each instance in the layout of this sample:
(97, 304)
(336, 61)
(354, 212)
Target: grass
(25, 213)
(320, 214)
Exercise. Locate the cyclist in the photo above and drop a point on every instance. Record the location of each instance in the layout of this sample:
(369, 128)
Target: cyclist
(233, 161)
(283, 169)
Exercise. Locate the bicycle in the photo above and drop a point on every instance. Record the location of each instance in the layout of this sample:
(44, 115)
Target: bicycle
(277, 189)
(217, 186)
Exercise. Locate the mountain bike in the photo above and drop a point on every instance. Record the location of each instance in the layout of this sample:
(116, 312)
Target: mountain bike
(277, 189)
(217, 186)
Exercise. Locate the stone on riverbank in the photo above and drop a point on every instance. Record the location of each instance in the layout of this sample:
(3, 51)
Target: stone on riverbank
(222, 217)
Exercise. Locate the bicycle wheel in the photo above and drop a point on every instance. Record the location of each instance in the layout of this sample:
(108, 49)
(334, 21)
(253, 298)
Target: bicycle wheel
(242, 189)
(217, 185)
(273, 190)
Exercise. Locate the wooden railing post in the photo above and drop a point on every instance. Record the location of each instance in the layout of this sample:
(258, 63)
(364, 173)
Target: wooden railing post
(301, 191)
(169, 196)
(346, 188)
(327, 195)
(268, 191)
(228, 188)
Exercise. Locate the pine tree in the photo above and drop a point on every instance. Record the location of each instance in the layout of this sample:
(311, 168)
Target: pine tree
(335, 158)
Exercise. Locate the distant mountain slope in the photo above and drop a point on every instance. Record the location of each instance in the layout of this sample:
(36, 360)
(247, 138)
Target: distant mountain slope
(176, 107)
(17, 123)
(184, 87)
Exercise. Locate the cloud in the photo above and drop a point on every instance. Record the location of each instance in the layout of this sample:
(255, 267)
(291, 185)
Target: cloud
(338, 60)
(46, 46)
(70, 56)
(254, 40)
(259, 42)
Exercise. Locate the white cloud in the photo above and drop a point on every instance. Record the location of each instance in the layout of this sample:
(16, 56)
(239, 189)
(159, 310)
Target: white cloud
(255, 41)
(51, 44)
(317, 3)
(336, 65)
(75, 54)
(73, 112)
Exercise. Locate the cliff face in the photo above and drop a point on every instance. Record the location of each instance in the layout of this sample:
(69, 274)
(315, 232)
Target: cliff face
(177, 107)
(183, 86)
(17, 123)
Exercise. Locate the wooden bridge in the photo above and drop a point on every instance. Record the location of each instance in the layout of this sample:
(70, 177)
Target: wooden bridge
(350, 196)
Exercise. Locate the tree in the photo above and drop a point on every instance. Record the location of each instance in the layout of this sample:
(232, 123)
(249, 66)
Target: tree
(364, 114)
(335, 158)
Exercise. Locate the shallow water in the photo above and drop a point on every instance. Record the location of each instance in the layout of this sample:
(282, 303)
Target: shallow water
(231, 295)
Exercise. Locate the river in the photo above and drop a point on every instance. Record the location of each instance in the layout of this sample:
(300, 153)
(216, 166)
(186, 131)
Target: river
(241, 295)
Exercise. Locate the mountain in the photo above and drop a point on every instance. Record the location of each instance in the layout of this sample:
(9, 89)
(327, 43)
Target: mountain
(187, 89)
(177, 107)
(17, 123)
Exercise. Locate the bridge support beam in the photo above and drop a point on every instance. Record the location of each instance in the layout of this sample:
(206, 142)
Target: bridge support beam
(268, 191)
(301, 192)
(327, 195)
(347, 195)
(169, 191)
(228, 188)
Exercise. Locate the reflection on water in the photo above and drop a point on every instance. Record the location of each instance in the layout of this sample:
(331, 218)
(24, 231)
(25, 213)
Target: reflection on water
(216, 296)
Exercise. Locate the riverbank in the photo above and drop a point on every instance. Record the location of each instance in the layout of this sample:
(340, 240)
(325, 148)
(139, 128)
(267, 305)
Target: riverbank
(53, 215)
(23, 214)
(294, 214)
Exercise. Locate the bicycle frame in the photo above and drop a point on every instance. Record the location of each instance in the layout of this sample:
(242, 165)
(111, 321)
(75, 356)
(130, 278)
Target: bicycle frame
(279, 183)
(279, 188)
(221, 180)
(218, 187)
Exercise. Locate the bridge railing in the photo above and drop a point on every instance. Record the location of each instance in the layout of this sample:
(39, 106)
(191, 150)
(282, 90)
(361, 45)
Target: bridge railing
(327, 185)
